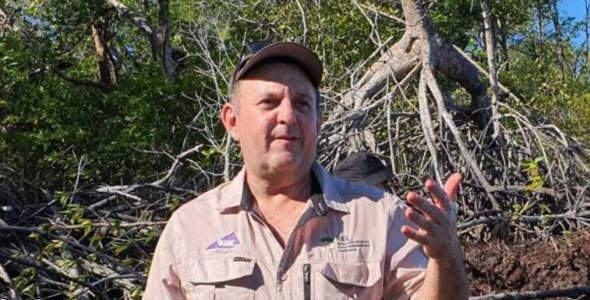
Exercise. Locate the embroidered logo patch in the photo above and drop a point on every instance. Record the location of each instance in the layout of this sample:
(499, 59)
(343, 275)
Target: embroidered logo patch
(227, 242)
(343, 243)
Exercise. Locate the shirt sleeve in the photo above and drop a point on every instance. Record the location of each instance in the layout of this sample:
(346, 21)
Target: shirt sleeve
(406, 263)
(163, 280)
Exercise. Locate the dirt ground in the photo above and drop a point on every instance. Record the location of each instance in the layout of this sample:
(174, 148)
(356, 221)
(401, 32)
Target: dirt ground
(554, 264)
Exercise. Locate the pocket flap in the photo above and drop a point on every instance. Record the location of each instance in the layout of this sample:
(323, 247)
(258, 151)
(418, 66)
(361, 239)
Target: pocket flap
(359, 274)
(220, 269)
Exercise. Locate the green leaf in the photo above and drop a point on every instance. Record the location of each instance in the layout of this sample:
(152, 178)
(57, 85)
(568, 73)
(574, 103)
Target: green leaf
(87, 225)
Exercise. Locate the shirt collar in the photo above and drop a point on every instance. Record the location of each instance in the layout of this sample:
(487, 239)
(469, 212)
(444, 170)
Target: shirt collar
(237, 194)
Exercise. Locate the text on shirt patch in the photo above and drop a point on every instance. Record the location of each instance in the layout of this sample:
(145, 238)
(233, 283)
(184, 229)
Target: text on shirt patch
(343, 243)
(227, 242)
(242, 259)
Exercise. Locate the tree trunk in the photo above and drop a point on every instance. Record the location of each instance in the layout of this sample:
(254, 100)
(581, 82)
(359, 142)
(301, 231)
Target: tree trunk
(559, 39)
(164, 38)
(419, 46)
(504, 44)
(106, 78)
(160, 39)
(403, 57)
(584, 50)
(491, 51)
(540, 51)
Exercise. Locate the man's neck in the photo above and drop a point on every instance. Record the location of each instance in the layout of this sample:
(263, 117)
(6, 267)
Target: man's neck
(280, 203)
(274, 192)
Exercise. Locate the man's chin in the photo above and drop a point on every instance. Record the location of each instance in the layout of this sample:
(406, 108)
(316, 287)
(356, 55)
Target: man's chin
(285, 163)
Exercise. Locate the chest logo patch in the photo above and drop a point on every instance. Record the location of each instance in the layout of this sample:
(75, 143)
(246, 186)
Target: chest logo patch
(227, 242)
(343, 243)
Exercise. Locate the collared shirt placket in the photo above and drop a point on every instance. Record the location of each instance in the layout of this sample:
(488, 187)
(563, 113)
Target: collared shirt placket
(315, 210)
(286, 278)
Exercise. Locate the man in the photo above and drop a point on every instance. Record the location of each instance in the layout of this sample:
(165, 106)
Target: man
(364, 168)
(284, 228)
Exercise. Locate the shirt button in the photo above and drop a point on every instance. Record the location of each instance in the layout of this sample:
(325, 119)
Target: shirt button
(284, 277)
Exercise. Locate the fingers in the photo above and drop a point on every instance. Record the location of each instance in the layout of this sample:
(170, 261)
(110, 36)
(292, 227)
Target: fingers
(430, 228)
(420, 237)
(452, 185)
(440, 196)
(431, 212)
(436, 230)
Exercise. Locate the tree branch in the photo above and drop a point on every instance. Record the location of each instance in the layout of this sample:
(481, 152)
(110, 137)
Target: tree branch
(574, 293)
(521, 219)
(141, 22)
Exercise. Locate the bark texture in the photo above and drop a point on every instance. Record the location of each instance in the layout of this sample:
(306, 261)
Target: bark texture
(491, 51)
(106, 78)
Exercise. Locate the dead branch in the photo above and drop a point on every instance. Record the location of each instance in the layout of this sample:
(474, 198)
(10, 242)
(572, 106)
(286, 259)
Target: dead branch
(484, 72)
(426, 122)
(574, 293)
(384, 14)
(491, 51)
(521, 219)
(158, 184)
(177, 162)
(101, 225)
(48, 271)
(76, 244)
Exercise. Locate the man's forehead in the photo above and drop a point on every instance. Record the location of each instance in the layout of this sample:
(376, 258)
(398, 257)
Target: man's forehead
(273, 89)
(274, 77)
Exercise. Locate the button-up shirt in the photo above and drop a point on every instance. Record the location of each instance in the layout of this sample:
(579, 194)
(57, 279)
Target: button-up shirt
(346, 245)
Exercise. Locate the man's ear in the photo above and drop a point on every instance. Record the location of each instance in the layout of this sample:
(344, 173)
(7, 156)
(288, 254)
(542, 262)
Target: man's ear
(229, 118)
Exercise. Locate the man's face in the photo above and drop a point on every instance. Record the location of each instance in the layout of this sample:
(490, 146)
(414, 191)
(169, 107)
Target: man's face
(277, 123)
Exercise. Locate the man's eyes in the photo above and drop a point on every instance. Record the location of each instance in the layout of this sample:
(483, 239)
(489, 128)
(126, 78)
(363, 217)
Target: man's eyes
(304, 103)
(271, 103)
(268, 102)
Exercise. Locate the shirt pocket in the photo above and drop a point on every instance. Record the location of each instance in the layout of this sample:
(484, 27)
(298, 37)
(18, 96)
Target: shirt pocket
(222, 278)
(342, 280)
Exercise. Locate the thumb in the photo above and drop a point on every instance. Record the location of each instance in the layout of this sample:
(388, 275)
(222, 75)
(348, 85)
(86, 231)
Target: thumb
(452, 185)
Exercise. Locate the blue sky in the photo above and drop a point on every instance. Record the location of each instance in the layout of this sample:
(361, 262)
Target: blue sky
(575, 9)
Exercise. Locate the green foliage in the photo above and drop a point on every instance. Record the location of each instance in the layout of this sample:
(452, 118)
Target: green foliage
(538, 79)
(50, 122)
(519, 209)
(534, 174)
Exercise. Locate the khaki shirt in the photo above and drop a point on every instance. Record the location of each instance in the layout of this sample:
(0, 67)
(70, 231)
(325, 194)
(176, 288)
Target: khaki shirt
(347, 245)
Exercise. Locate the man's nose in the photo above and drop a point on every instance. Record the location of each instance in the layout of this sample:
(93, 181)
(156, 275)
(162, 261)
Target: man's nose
(286, 113)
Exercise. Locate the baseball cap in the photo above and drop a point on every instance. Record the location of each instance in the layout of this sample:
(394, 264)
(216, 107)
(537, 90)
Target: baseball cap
(363, 168)
(256, 52)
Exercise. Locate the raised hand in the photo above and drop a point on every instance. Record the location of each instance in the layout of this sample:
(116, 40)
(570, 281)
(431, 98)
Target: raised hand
(437, 222)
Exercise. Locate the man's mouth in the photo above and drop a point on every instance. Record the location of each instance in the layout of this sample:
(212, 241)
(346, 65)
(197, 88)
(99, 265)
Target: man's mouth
(285, 137)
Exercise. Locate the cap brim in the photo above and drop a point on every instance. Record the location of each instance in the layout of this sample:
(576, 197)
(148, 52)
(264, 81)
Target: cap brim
(304, 57)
